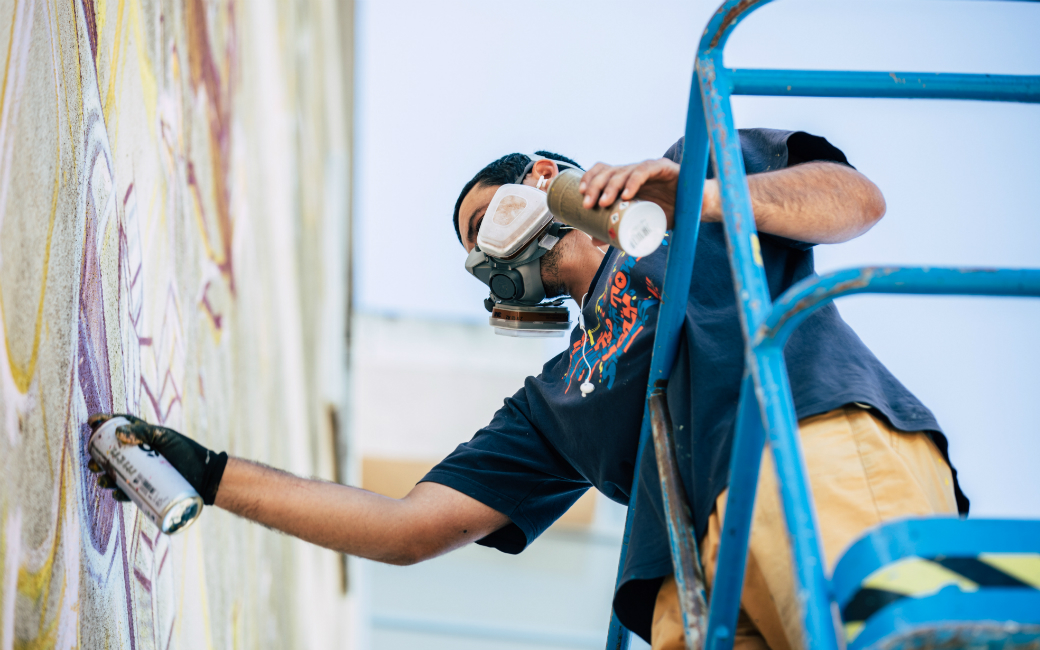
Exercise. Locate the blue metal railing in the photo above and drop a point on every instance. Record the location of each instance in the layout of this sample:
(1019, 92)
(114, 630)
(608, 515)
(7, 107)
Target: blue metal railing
(766, 410)
(673, 300)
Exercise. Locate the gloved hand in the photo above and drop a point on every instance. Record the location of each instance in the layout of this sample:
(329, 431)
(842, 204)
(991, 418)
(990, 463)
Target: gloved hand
(199, 466)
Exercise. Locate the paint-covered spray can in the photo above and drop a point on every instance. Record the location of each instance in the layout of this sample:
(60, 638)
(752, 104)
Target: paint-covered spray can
(636, 227)
(147, 478)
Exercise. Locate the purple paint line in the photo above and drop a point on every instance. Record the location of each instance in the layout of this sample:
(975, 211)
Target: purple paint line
(126, 582)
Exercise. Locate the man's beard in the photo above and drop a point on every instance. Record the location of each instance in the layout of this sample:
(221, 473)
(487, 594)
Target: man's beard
(551, 281)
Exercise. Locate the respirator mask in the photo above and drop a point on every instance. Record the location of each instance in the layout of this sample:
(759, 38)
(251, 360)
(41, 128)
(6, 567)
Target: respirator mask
(517, 231)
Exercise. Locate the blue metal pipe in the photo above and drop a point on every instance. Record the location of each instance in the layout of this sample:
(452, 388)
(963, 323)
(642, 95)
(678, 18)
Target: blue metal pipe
(745, 461)
(749, 276)
(729, 14)
(674, 294)
(810, 294)
(908, 85)
(682, 246)
(811, 584)
(723, 21)
(766, 366)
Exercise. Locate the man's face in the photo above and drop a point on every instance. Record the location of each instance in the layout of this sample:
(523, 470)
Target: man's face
(471, 213)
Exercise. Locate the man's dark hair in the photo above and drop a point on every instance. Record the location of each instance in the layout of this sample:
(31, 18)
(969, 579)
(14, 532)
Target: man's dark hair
(506, 169)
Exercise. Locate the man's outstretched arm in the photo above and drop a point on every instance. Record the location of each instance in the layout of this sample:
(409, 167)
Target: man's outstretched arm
(433, 519)
(816, 202)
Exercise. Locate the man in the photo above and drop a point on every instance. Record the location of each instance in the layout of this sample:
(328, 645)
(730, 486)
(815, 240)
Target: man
(872, 450)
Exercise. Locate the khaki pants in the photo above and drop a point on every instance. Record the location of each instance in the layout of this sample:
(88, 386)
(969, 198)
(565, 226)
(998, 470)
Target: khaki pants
(862, 473)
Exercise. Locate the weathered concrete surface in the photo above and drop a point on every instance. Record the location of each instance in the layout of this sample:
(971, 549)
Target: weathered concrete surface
(172, 196)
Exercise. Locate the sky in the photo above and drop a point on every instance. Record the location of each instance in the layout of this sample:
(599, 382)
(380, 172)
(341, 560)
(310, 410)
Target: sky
(444, 88)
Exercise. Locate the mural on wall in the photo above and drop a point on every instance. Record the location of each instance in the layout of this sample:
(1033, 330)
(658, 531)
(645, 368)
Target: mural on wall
(172, 197)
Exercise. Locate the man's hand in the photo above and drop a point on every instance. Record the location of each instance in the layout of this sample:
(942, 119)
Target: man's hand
(202, 468)
(650, 180)
(816, 202)
(431, 520)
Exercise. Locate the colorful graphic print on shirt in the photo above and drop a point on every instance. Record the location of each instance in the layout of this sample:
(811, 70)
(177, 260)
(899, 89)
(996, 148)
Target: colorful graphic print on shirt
(622, 311)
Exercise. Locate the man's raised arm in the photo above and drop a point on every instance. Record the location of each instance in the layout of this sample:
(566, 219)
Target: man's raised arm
(815, 202)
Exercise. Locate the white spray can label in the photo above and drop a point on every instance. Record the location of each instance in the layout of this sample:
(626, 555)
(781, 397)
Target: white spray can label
(159, 490)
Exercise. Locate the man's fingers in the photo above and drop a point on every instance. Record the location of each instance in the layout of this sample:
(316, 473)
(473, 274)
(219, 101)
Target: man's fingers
(106, 482)
(613, 187)
(98, 419)
(604, 184)
(588, 176)
(636, 180)
(135, 434)
(94, 467)
(120, 496)
(125, 436)
(596, 180)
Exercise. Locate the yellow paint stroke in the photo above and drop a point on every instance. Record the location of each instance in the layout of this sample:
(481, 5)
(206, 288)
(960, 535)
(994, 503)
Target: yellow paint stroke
(236, 623)
(110, 96)
(914, 576)
(100, 14)
(1023, 566)
(217, 257)
(175, 67)
(756, 250)
(852, 630)
(211, 320)
(23, 375)
(79, 69)
(36, 586)
(144, 64)
(61, 68)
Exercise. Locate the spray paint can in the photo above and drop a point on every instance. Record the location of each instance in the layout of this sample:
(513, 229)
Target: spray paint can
(147, 478)
(636, 227)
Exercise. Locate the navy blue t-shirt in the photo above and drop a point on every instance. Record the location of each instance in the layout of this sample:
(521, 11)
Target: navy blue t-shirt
(548, 444)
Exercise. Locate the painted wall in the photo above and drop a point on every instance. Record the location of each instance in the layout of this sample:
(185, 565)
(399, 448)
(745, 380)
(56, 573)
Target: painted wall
(173, 197)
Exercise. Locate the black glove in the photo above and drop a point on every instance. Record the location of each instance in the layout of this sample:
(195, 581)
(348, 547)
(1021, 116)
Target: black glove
(199, 466)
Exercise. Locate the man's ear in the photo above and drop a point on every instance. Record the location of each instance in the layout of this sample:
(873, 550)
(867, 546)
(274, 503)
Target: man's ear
(542, 169)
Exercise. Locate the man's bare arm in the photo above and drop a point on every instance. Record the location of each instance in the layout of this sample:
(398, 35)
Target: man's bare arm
(817, 202)
(433, 519)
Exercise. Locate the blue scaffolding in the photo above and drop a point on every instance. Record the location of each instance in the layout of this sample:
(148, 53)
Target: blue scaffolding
(1003, 614)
